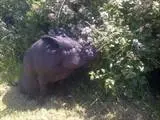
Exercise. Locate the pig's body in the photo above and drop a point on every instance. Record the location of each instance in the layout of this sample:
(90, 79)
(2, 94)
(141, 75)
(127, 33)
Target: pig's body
(50, 59)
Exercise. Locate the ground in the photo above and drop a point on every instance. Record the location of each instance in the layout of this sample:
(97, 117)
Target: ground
(70, 106)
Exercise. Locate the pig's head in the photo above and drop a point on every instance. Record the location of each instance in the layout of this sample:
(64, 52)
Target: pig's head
(73, 53)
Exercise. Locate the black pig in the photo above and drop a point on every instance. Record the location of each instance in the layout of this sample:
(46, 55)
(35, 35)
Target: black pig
(50, 59)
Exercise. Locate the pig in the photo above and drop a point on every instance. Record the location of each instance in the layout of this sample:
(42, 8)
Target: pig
(51, 59)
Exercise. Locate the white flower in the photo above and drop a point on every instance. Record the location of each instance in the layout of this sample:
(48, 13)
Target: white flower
(86, 30)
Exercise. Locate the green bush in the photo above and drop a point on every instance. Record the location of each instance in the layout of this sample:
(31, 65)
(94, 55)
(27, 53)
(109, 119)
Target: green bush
(16, 36)
(124, 62)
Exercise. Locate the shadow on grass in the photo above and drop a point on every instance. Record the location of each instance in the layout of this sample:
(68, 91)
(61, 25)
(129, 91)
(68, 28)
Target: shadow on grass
(82, 92)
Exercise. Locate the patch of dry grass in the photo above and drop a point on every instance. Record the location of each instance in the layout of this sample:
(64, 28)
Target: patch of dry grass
(15, 106)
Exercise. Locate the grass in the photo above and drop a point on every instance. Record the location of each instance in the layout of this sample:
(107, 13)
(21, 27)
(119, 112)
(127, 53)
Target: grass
(73, 100)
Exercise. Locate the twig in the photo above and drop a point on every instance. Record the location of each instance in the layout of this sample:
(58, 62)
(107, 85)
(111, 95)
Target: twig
(59, 12)
(94, 101)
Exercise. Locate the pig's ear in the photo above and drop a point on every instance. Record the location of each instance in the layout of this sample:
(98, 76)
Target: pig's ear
(50, 41)
(61, 42)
